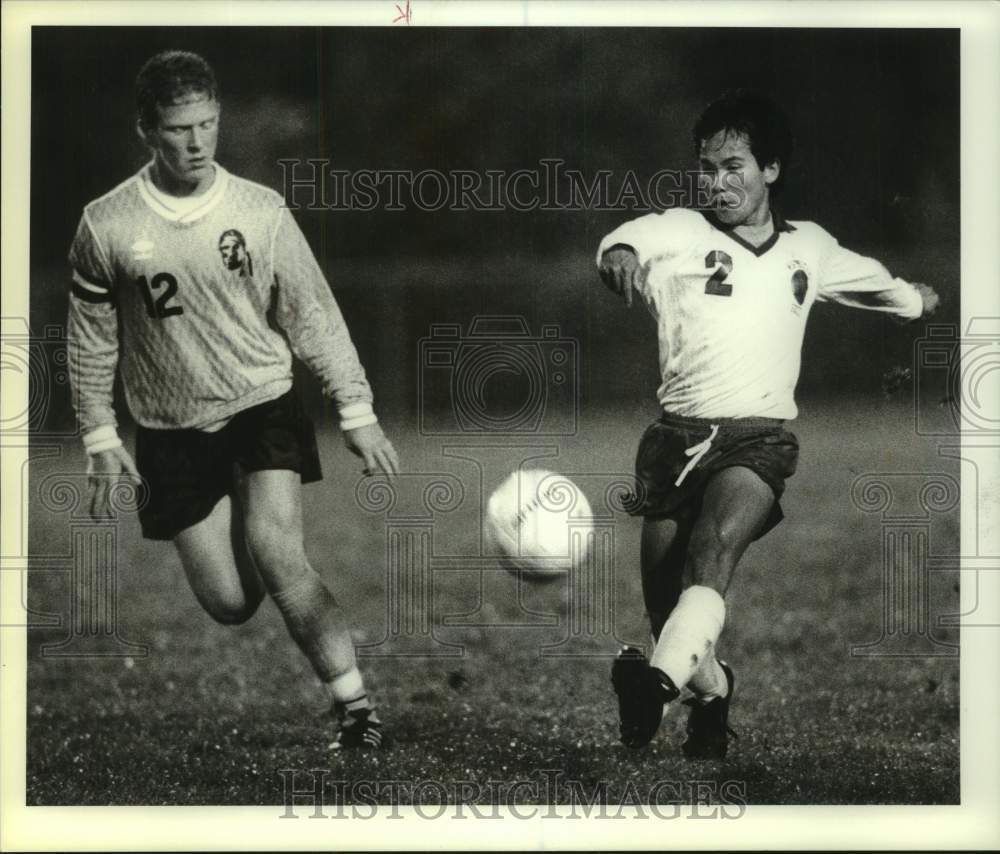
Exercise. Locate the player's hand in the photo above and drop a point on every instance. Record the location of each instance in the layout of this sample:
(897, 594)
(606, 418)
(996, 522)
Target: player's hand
(620, 270)
(374, 448)
(930, 298)
(104, 470)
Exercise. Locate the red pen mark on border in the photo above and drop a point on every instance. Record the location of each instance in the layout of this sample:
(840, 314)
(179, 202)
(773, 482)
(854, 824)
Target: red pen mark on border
(405, 13)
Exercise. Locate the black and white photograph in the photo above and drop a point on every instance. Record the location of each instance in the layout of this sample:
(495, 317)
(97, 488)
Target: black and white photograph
(577, 416)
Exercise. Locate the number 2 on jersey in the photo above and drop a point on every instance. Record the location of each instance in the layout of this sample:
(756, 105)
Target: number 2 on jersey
(159, 308)
(717, 284)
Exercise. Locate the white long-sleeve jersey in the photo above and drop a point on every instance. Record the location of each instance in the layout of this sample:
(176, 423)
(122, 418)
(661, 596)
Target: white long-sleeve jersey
(200, 303)
(731, 317)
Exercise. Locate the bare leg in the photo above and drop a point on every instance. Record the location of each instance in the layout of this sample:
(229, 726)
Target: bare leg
(218, 566)
(734, 509)
(273, 505)
(662, 557)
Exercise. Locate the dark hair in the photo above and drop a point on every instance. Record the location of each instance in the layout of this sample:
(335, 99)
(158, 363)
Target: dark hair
(756, 116)
(170, 75)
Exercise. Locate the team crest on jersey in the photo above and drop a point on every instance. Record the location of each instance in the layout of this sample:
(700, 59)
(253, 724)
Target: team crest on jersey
(800, 281)
(142, 250)
(235, 255)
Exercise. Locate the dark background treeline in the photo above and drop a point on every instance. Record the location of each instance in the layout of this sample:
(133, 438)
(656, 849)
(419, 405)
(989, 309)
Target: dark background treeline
(875, 113)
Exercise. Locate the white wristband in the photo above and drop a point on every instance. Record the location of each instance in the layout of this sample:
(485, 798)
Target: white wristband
(104, 438)
(356, 415)
(360, 421)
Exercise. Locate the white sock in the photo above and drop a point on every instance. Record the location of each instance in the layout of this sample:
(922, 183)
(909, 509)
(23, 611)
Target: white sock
(689, 635)
(348, 688)
(709, 681)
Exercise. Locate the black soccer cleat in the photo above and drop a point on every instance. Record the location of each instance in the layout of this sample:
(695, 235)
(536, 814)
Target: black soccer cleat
(708, 724)
(642, 691)
(360, 728)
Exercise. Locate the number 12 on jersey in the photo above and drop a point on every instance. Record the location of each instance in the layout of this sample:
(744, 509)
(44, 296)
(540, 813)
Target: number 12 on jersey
(158, 308)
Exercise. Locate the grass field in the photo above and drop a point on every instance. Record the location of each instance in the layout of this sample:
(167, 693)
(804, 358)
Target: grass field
(213, 714)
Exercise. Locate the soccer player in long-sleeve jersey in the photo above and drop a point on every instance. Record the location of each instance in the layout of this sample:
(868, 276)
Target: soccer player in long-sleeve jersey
(197, 286)
(730, 287)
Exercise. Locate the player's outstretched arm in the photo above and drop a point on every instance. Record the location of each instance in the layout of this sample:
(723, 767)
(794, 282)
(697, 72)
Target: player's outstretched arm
(627, 254)
(104, 470)
(861, 282)
(619, 269)
(371, 444)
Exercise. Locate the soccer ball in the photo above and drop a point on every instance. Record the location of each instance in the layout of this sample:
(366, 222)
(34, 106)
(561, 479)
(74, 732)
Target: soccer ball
(540, 523)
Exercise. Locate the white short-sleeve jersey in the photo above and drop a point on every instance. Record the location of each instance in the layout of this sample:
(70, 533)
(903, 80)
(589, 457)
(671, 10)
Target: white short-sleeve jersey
(731, 316)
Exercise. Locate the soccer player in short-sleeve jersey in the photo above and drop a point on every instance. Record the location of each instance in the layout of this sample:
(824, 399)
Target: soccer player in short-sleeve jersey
(197, 286)
(730, 288)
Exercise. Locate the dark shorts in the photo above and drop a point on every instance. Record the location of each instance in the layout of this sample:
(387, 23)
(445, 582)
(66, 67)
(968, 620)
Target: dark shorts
(759, 444)
(188, 471)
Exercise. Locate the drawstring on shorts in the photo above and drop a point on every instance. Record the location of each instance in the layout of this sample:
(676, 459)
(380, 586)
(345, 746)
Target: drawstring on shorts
(696, 452)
